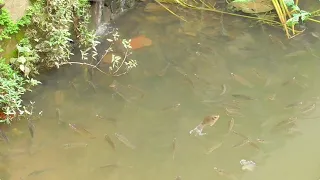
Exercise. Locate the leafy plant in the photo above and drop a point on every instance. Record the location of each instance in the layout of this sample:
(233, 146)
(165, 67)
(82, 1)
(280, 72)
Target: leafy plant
(51, 33)
(27, 59)
(120, 64)
(12, 86)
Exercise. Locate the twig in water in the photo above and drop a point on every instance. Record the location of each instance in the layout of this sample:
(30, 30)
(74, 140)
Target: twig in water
(93, 66)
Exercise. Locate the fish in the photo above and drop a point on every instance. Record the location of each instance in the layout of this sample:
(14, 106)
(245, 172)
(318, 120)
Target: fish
(255, 71)
(125, 141)
(245, 141)
(233, 112)
(214, 147)
(241, 80)
(174, 146)
(231, 124)
(292, 105)
(4, 136)
(110, 166)
(81, 130)
(37, 172)
(178, 178)
(164, 70)
(309, 108)
(224, 89)
(58, 115)
(207, 121)
(93, 86)
(288, 81)
(110, 142)
(244, 97)
(222, 172)
(172, 107)
(74, 145)
(31, 128)
(137, 89)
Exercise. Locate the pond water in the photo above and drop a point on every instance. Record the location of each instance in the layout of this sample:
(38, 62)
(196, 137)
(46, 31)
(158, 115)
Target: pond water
(264, 88)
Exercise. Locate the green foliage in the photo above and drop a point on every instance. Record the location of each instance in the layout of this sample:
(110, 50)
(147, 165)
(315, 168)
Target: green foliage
(11, 28)
(12, 86)
(50, 31)
(27, 59)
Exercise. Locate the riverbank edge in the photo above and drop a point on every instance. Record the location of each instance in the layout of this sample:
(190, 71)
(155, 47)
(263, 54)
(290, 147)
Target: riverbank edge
(15, 70)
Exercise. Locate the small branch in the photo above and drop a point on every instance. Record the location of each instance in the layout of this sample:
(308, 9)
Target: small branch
(124, 59)
(93, 66)
(107, 51)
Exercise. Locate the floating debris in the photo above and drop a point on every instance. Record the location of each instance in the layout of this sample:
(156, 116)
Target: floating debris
(247, 165)
(207, 121)
(110, 142)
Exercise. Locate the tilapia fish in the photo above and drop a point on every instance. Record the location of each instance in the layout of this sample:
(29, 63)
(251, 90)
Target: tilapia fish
(207, 121)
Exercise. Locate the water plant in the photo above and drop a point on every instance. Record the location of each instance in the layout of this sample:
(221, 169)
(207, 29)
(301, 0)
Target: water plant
(287, 13)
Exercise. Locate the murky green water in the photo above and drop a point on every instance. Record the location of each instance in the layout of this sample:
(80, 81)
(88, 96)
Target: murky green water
(199, 61)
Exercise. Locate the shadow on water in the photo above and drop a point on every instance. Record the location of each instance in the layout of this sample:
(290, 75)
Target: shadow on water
(264, 88)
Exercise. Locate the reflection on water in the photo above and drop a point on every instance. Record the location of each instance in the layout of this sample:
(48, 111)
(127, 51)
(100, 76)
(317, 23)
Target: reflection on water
(137, 126)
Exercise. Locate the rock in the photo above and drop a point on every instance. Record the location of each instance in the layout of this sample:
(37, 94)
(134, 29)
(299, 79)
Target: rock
(16, 8)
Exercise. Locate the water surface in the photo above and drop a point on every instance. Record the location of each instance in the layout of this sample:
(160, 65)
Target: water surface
(200, 57)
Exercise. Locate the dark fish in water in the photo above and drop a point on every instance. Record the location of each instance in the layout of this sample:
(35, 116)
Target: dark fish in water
(244, 97)
(109, 140)
(125, 141)
(35, 173)
(4, 136)
(31, 128)
(207, 121)
(292, 105)
(81, 130)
